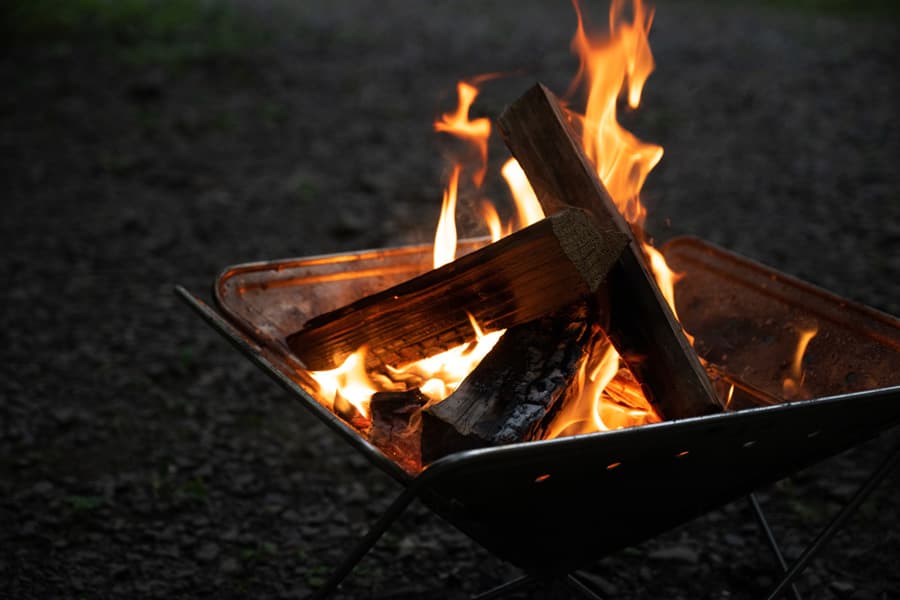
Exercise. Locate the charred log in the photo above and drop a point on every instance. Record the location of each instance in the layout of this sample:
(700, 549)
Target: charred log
(395, 426)
(508, 396)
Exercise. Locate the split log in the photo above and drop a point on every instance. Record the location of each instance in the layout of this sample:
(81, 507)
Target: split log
(541, 139)
(530, 273)
(507, 397)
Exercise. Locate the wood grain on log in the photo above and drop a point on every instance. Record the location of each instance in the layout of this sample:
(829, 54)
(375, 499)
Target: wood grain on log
(539, 136)
(523, 276)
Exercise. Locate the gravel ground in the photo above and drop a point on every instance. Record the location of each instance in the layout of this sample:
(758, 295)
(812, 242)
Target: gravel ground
(140, 456)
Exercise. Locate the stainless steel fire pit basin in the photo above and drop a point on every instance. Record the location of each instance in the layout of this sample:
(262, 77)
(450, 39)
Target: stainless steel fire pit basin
(601, 492)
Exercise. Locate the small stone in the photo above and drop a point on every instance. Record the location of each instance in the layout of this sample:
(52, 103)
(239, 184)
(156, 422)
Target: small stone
(678, 553)
(842, 587)
(42, 488)
(208, 552)
(230, 565)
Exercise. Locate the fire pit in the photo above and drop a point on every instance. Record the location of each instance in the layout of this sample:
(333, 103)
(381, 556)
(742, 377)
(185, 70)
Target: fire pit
(730, 302)
(596, 401)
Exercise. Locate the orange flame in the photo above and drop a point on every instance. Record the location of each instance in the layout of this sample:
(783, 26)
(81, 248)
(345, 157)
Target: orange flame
(445, 236)
(492, 220)
(459, 124)
(348, 382)
(438, 376)
(527, 206)
(623, 60)
(793, 383)
(607, 395)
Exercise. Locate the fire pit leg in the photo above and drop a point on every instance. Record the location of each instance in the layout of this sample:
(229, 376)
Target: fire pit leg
(763, 523)
(513, 585)
(366, 543)
(554, 585)
(849, 509)
(578, 586)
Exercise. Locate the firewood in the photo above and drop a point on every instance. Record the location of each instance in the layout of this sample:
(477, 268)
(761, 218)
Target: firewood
(506, 398)
(395, 426)
(539, 136)
(530, 273)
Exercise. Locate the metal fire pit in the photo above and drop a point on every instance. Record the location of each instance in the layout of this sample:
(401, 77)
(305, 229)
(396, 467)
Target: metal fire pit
(652, 477)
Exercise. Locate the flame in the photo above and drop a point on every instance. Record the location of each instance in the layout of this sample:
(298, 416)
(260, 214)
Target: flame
(622, 60)
(492, 220)
(606, 396)
(348, 383)
(793, 383)
(458, 123)
(438, 376)
(445, 236)
(527, 206)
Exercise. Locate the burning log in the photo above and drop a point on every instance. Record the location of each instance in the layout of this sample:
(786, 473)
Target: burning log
(507, 397)
(642, 324)
(394, 426)
(526, 275)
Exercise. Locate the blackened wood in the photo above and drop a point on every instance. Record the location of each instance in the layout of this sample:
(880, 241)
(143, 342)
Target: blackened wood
(395, 427)
(530, 273)
(507, 396)
(539, 136)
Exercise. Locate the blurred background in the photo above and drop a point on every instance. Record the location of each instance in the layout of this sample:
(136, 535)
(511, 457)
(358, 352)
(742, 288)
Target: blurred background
(147, 143)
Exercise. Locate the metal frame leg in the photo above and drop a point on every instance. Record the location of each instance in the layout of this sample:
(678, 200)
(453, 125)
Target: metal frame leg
(837, 521)
(579, 587)
(770, 538)
(366, 543)
(513, 585)
(571, 581)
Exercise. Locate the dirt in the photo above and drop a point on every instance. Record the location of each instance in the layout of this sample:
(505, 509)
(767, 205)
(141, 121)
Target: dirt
(141, 456)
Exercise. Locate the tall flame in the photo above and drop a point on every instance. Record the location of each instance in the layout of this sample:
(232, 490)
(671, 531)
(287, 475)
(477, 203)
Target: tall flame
(622, 60)
(527, 206)
(445, 236)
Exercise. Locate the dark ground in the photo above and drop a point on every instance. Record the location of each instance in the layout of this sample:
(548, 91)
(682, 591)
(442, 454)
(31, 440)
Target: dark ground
(140, 456)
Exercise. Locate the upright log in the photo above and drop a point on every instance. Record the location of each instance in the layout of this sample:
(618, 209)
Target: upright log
(539, 136)
(530, 273)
